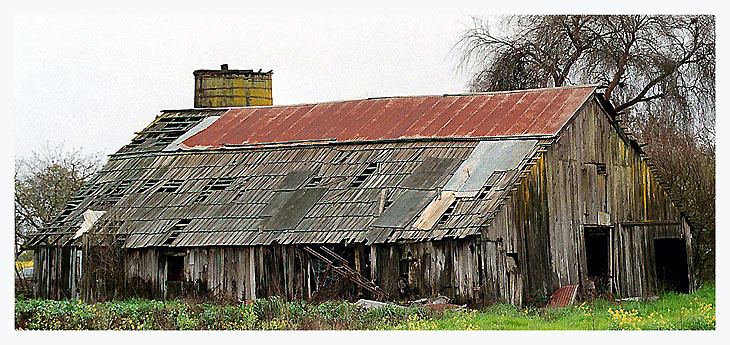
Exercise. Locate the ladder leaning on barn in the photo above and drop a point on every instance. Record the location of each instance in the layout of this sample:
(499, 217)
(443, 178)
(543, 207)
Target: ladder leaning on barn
(345, 271)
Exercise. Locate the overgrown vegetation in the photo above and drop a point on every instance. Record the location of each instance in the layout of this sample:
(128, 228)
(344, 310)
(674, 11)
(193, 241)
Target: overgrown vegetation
(694, 311)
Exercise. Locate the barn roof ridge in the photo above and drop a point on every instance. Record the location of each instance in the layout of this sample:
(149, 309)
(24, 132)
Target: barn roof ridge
(481, 93)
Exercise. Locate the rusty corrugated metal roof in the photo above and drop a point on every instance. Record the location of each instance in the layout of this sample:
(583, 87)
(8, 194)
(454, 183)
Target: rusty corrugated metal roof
(515, 113)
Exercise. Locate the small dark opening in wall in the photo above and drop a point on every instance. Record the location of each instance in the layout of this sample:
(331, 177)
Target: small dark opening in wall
(671, 264)
(601, 169)
(358, 181)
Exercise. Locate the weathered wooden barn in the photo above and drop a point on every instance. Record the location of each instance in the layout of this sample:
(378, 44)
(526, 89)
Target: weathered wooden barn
(479, 197)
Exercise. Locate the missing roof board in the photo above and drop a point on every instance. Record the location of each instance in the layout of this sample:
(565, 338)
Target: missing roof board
(294, 208)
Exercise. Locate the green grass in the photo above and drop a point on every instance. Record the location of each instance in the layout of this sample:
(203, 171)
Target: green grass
(693, 311)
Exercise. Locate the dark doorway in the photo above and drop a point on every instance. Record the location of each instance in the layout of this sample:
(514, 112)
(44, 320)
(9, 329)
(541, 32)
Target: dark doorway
(597, 256)
(671, 264)
(175, 275)
(175, 268)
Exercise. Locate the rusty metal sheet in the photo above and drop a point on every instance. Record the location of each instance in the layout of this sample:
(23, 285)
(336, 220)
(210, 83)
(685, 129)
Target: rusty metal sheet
(515, 113)
(564, 297)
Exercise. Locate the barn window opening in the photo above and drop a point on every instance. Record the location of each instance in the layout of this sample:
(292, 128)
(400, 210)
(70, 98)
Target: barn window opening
(358, 181)
(447, 214)
(671, 264)
(601, 169)
(147, 185)
(170, 186)
(597, 256)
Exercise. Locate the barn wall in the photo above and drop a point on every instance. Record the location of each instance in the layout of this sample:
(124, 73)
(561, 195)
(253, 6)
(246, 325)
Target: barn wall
(450, 268)
(231, 273)
(146, 272)
(57, 272)
(428, 269)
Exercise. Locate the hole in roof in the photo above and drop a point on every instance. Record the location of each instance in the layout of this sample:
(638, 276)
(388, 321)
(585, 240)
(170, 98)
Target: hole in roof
(241, 186)
(216, 184)
(314, 182)
(176, 229)
(447, 214)
(147, 185)
(360, 179)
(170, 186)
(484, 192)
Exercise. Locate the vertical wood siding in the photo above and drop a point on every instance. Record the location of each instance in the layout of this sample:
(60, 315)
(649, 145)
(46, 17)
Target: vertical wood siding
(543, 219)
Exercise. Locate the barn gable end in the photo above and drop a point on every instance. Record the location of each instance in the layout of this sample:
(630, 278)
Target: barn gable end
(591, 183)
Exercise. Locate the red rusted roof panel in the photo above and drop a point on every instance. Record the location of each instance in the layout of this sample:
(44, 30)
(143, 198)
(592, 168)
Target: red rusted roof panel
(529, 112)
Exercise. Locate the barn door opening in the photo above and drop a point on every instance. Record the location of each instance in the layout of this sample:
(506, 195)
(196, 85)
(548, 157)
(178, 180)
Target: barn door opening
(597, 256)
(175, 275)
(671, 264)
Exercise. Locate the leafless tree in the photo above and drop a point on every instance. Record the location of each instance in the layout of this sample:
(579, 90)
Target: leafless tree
(657, 70)
(44, 183)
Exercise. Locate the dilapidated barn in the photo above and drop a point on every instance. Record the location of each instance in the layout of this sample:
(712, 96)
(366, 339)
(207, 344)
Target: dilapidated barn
(482, 197)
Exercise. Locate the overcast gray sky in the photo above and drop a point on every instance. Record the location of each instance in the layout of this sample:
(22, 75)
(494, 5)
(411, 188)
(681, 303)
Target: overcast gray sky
(90, 82)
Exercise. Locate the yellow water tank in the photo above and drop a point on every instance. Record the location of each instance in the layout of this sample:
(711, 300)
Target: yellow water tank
(225, 88)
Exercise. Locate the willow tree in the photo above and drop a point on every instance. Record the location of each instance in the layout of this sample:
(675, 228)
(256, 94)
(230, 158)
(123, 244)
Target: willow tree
(658, 71)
